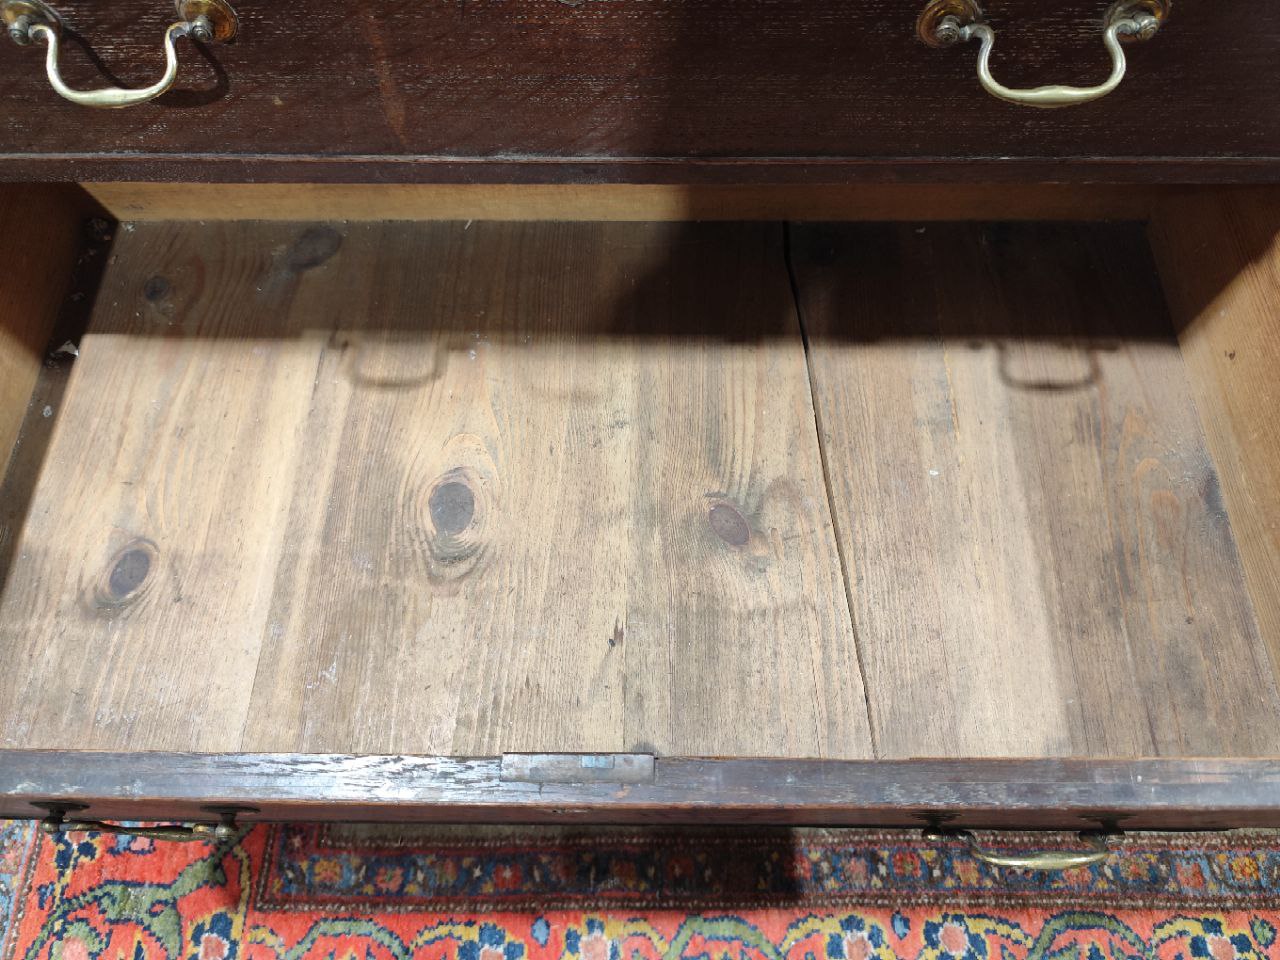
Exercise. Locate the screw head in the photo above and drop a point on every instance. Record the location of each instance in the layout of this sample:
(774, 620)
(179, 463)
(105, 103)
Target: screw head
(1139, 26)
(945, 22)
(949, 30)
(208, 21)
(1146, 26)
(201, 29)
(1138, 19)
(20, 31)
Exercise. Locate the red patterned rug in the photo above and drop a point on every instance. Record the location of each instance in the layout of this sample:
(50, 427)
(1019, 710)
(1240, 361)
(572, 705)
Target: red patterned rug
(547, 894)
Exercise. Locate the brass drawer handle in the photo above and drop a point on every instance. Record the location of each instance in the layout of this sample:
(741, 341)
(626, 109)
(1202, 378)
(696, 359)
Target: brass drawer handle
(1098, 850)
(225, 829)
(209, 21)
(946, 22)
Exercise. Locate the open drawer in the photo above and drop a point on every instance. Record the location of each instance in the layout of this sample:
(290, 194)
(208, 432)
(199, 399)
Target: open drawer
(960, 508)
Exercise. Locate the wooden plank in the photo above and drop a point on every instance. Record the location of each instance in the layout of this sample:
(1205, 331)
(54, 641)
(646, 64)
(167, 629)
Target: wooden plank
(132, 615)
(1219, 257)
(808, 91)
(1038, 560)
(1023, 794)
(613, 201)
(582, 509)
(39, 238)
(97, 166)
(431, 488)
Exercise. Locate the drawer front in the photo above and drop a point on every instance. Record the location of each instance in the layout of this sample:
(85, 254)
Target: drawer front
(942, 796)
(721, 90)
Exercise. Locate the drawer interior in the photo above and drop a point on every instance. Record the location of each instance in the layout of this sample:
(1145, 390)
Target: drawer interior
(771, 487)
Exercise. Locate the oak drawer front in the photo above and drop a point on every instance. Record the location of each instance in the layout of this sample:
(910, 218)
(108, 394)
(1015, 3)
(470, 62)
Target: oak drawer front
(630, 91)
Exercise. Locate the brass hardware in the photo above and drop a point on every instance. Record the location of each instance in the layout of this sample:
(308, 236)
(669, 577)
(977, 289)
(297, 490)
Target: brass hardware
(940, 23)
(21, 15)
(225, 829)
(214, 21)
(208, 21)
(947, 22)
(1097, 841)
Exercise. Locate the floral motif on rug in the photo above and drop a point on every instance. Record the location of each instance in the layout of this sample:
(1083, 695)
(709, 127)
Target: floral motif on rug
(303, 892)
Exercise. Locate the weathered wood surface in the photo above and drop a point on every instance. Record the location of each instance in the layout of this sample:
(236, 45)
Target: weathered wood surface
(132, 612)
(436, 488)
(1038, 556)
(716, 90)
(1219, 257)
(465, 489)
(1026, 794)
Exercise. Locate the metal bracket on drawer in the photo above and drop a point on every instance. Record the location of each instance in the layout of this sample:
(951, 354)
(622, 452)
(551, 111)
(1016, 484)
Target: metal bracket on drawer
(577, 767)
(225, 829)
(946, 22)
(1097, 849)
(29, 21)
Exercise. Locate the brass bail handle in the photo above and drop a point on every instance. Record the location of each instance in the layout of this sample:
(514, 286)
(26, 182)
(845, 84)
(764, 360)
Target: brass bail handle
(225, 829)
(947, 22)
(29, 21)
(1097, 850)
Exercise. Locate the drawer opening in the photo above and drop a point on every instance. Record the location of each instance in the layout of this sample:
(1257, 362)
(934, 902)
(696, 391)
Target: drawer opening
(774, 488)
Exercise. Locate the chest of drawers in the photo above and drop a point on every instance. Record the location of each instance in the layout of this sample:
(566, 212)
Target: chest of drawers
(641, 412)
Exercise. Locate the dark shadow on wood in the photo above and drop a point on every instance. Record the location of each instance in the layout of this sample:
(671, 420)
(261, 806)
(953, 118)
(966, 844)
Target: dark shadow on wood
(416, 301)
(18, 485)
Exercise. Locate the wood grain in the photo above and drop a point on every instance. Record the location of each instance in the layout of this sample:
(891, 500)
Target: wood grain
(436, 488)
(39, 238)
(814, 91)
(1021, 794)
(132, 615)
(1038, 558)
(1219, 258)
(461, 489)
(616, 201)
(574, 502)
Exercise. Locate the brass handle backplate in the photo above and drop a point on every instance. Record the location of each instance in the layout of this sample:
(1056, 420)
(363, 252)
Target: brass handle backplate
(1097, 850)
(28, 21)
(947, 22)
